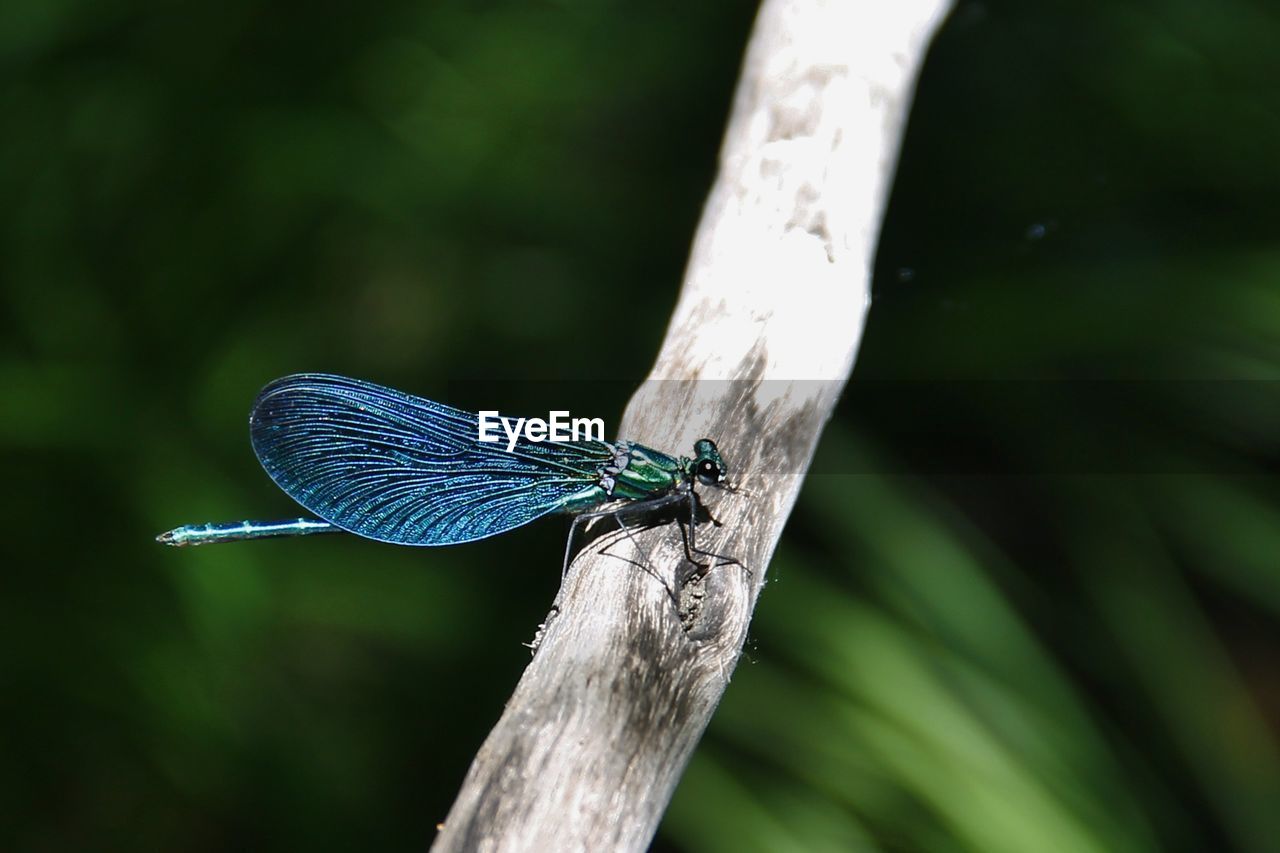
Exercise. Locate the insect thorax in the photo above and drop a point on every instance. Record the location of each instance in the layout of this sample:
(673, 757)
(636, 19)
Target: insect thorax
(638, 472)
(634, 473)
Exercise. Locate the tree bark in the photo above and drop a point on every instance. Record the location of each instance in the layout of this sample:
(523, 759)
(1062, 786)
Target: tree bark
(637, 654)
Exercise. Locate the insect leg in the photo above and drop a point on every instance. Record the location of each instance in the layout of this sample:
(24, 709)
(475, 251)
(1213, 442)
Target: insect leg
(619, 515)
(690, 540)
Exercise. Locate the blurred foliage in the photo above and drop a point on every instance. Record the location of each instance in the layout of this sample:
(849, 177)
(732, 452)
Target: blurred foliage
(1029, 598)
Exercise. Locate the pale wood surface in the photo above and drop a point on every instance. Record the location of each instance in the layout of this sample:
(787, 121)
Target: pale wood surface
(594, 739)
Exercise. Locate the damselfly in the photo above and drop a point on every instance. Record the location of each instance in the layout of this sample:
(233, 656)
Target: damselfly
(389, 466)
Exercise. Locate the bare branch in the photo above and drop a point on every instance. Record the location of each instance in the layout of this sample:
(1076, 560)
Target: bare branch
(628, 673)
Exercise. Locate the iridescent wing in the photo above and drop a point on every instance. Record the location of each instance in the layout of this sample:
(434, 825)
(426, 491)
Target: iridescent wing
(397, 468)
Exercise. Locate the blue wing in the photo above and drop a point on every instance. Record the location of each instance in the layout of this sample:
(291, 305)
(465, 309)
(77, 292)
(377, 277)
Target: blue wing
(397, 468)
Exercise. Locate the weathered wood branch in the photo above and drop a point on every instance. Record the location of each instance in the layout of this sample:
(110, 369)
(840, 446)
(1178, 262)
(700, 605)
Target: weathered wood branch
(594, 739)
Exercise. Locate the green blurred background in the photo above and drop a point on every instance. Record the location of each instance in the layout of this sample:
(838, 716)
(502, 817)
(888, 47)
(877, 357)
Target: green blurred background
(1028, 601)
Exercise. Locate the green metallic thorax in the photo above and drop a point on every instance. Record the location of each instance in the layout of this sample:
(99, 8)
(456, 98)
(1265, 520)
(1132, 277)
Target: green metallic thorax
(646, 474)
(650, 474)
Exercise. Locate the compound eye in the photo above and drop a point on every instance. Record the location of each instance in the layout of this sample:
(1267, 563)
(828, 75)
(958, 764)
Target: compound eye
(708, 472)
